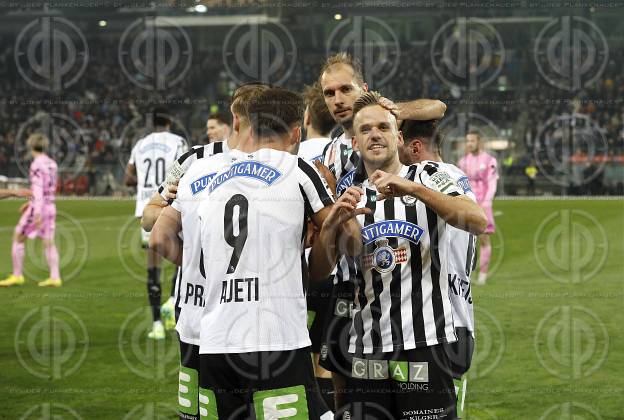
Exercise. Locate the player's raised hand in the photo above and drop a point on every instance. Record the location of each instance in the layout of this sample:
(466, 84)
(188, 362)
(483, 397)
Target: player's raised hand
(326, 173)
(390, 106)
(346, 208)
(390, 185)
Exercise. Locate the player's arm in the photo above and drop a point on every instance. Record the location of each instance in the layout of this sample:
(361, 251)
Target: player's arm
(22, 193)
(419, 109)
(490, 182)
(340, 233)
(456, 209)
(164, 238)
(152, 210)
(37, 184)
(130, 175)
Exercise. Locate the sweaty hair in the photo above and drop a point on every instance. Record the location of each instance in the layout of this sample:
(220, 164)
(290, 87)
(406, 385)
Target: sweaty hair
(243, 95)
(220, 117)
(38, 142)
(275, 112)
(346, 60)
(320, 118)
(425, 131)
(366, 99)
(160, 117)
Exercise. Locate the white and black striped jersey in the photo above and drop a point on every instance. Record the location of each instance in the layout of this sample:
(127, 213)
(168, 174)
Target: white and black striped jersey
(195, 169)
(341, 160)
(152, 156)
(252, 229)
(186, 160)
(462, 257)
(402, 298)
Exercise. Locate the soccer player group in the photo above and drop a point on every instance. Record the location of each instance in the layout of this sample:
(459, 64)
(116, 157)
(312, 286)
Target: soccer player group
(381, 297)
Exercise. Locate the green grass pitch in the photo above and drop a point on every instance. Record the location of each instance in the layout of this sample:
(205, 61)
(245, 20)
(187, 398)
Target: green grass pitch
(549, 321)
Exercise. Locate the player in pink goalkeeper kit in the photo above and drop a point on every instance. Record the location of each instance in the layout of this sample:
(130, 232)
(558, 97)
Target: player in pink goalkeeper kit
(482, 172)
(38, 216)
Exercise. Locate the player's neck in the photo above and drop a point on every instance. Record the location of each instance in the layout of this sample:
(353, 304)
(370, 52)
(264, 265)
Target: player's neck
(36, 154)
(311, 133)
(161, 129)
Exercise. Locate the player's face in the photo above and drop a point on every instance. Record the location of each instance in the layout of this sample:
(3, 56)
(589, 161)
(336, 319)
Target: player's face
(340, 90)
(215, 130)
(376, 136)
(472, 143)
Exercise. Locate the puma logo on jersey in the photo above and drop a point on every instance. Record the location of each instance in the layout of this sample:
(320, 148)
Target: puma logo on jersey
(200, 184)
(249, 169)
(239, 290)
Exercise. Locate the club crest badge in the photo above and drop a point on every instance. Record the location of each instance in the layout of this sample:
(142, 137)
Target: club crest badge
(384, 258)
(408, 200)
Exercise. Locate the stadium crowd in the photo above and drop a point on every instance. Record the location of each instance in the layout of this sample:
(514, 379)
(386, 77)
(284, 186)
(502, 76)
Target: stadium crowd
(108, 113)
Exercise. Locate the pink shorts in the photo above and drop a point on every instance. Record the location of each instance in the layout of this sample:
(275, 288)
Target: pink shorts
(490, 218)
(26, 225)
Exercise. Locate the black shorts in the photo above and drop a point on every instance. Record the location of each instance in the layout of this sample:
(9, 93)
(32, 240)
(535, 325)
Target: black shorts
(401, 386)
(318, 298)
(460, 352)
(334, 354)
(249, 385)
(188, 380)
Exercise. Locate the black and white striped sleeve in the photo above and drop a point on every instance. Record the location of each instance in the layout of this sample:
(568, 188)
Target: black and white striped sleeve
(432, 176)
(314, 188)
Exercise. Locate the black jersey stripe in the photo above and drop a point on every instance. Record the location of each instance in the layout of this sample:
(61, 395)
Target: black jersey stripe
(218, 147)
(200, 152)
(343, 158)
(469, 255)
(306, 203)
(436, 294)
(307, 169)
(396, 320)
(418, 320)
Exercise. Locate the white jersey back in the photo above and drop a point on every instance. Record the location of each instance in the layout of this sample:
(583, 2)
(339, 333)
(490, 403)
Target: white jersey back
(461, 258)
(196, 168)
(312, 149)
(152, 156)
(252, 227)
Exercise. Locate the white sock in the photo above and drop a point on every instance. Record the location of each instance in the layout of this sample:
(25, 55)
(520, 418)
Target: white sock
(482, 278)
(157, 324)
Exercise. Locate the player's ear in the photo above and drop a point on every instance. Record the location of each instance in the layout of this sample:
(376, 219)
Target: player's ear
(306, 117)
(354, 144)
(365, 87)
(295, 135)
(399, 139)
(235, 122)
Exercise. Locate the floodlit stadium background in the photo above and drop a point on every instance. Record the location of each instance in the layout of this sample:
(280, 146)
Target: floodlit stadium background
(542, 82)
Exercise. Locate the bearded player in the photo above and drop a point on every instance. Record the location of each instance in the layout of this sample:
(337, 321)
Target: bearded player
(38, 215)
(482, 172)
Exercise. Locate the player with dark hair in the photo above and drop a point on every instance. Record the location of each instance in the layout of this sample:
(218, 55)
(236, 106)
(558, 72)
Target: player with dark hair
(254, 347)
(217, 127)
(318, 123)
(38, 215)
(402, 312)
(180, 219)
(421, 143)
(150, 159)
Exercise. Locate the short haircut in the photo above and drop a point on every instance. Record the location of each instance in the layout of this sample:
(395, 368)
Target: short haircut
(346, 60)
(38, 142)
(320, 118)
(475, 133)
(160, 117)
(425, 131)
(243, 95)
(220, 117)
(274, 112)
(366, 99)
